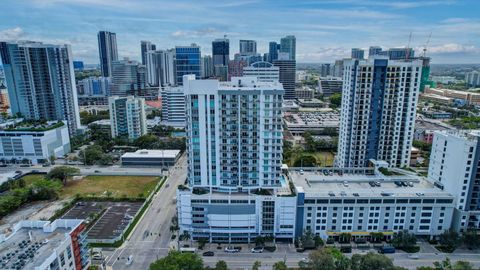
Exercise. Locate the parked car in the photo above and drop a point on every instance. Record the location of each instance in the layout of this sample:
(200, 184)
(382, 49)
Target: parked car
(231, 249)
(208, 253)
(387, 249)
(346, 249)
(257, 250)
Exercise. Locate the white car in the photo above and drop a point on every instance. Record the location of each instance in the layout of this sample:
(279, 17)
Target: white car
(129, 260)
(257, 250)
(413, 256)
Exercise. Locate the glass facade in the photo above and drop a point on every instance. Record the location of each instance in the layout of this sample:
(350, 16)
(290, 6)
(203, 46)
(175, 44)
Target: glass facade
(187, 62)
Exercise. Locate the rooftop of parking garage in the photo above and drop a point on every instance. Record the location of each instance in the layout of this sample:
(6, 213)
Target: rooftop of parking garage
(335, 182)
(33, 242)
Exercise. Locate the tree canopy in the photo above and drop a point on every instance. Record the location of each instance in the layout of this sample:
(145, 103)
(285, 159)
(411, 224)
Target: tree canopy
(61, 173)
(178, 261)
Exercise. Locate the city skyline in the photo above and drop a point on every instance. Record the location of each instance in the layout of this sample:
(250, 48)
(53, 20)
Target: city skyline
(326, 31)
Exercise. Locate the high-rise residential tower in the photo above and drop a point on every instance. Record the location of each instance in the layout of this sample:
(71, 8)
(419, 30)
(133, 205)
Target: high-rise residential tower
(127, 117)
(248, 47)
(187, 61)
(107, 48)
(146, 46)
(288, 45)
(234, 132)
(379, 102)
(206, 67)
(160, 67)
(454, 166)
(41, 81)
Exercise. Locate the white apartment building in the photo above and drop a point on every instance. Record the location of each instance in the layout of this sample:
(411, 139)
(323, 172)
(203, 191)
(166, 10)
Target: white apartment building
(379, 99)
(173, 106)
(234, 145)
(44, 245)
(264, 71)
(34, 143)
(454, 166)
(127, 116)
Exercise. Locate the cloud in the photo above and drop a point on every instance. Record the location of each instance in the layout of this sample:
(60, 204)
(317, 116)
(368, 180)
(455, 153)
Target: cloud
(451, 48)
(12, 34)
(202, 32)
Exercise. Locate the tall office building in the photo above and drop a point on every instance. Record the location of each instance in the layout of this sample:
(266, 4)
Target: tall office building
(288, 45)
(263, 71)
(206, 67)
(379, 102)
(454, 166)
(107, 48)
(160, 68)
(375, 50)
(41, 81)
(248, 47)
(146, 46)
(221, 52)
(187, 61)
(287, 69)
(401, 53)
(273, 48)
(128, 77)
(173, 106)
(127, 117)
(357, 53)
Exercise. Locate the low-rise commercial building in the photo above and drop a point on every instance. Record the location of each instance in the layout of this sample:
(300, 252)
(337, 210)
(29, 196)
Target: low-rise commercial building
(22, 143)
(157, 158)
(328, 86)
(470, 97)
(425, 128)
(41, 245)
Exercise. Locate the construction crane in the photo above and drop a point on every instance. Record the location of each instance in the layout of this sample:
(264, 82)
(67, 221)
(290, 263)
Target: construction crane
(426, 45)
(407, 53)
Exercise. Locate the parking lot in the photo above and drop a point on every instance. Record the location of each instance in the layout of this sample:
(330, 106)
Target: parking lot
(115, 217)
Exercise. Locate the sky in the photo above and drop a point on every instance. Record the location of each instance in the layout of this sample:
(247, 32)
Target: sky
(326, 30)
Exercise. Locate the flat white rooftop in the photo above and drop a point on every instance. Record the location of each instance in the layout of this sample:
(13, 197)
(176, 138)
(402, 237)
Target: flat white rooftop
(152, 154)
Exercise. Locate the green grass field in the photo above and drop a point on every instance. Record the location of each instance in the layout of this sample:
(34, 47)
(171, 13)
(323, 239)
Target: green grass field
(117, 186)
(324, 159)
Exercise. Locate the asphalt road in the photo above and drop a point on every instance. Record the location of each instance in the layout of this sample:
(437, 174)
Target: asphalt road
(245, 260)
(92, 170)
(151, 237)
